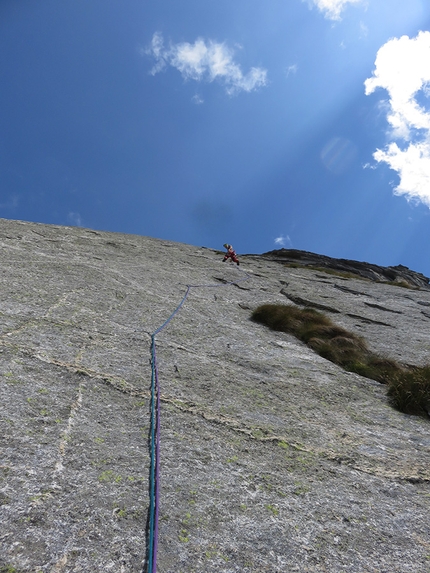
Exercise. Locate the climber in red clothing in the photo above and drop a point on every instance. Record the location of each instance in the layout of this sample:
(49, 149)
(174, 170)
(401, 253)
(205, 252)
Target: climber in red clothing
(230, 254)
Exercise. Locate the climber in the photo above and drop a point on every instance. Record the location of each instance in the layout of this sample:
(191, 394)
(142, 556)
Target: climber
(230, 254)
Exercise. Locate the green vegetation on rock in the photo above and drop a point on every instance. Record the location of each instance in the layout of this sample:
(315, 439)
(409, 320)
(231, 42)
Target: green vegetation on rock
(408, 387)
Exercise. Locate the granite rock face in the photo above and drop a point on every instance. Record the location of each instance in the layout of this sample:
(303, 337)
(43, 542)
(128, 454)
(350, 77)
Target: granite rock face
(272, 458)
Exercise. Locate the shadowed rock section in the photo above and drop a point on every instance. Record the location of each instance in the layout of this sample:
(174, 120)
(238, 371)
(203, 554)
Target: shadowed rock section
(397, 274)
(272, 458)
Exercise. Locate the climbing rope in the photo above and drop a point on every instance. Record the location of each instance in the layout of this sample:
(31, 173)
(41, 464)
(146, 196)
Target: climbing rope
(154, 472)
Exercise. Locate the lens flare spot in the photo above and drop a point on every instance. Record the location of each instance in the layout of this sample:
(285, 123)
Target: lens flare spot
(338, 155)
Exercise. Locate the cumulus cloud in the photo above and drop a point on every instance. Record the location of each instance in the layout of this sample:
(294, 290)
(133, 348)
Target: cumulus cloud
(205, 61)
(332, 9)
(402, 68)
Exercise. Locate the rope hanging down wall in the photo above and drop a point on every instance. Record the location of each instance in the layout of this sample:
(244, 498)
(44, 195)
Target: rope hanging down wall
(154, 472)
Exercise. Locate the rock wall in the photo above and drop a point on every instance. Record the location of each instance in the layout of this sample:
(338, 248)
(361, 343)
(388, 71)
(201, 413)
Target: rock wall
(272, 458)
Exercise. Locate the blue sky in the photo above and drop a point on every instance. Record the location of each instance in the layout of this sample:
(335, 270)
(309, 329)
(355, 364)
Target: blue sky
(261, 123)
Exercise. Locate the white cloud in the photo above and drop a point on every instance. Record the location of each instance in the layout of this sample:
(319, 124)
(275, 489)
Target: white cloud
(292, 69)
(413, 167)
(197, 99)
(205, 61)
(281, 241)
(369, 166)
(332, 9)
(157, 50)
(402, 68)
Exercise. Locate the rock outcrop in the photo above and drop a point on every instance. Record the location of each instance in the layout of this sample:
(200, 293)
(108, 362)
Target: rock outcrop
(397, 274)
(272, 458)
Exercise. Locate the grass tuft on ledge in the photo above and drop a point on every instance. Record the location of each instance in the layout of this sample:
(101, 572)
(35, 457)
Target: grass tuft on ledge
(408, 387)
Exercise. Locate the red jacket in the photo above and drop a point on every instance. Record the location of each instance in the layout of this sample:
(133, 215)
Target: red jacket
(231, 254)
